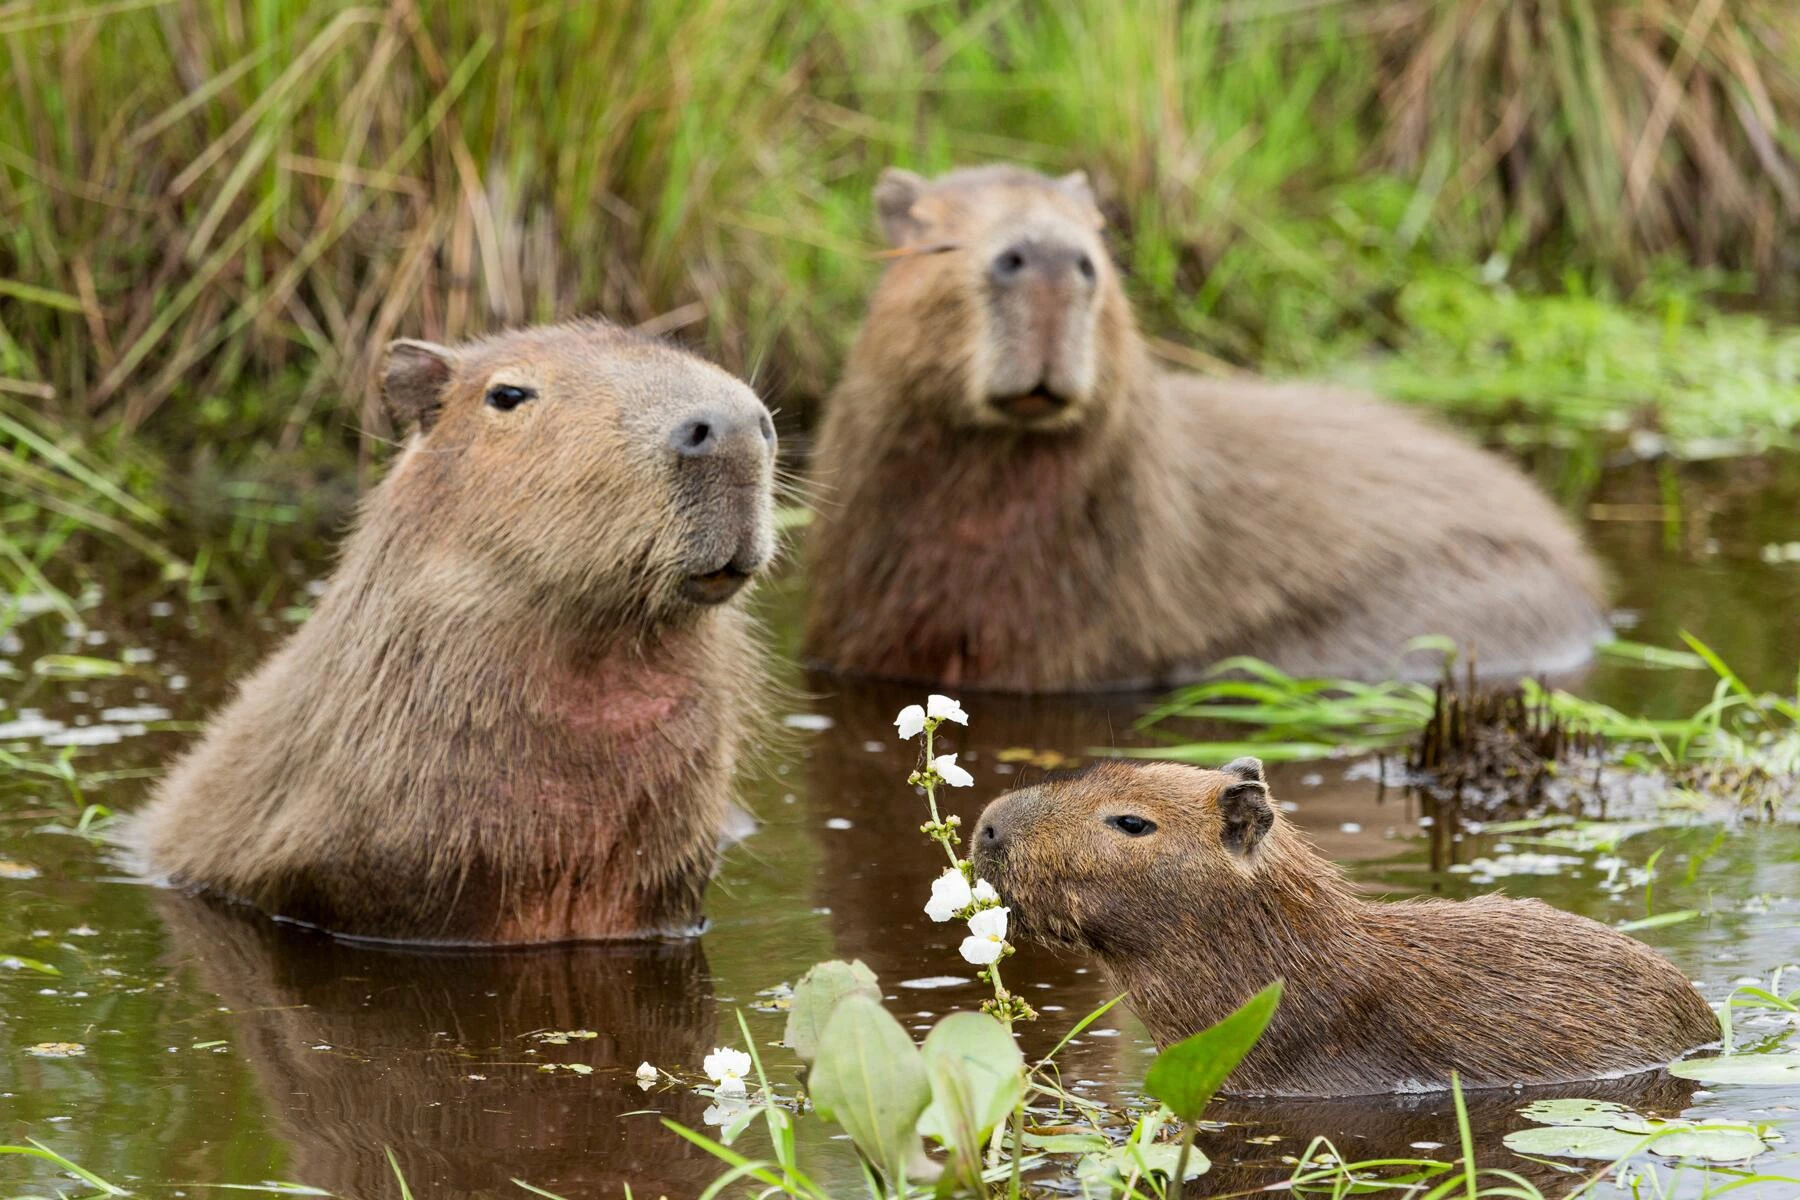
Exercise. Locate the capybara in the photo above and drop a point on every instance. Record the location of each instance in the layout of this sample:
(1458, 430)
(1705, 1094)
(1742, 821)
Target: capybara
(1193, 893)
(515, 714)
(1011, 497)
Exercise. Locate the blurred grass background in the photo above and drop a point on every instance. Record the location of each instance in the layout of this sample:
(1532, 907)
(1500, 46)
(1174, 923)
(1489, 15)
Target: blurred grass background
(213, 213)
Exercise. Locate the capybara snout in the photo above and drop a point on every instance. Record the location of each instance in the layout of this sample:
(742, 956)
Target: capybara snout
(723, 454)
(1016, 273)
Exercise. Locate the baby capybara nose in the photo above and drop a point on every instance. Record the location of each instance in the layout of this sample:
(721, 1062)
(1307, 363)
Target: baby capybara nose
(1048, 259)
(710, 431)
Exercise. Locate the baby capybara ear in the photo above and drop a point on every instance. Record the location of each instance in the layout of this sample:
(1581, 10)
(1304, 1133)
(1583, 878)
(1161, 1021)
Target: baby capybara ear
(1076, 184)
(1248, 767)
(1245, 813)
(413, 381)
(895, 193)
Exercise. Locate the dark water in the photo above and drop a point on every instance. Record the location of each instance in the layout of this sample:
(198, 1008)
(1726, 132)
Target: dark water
(220, 1049)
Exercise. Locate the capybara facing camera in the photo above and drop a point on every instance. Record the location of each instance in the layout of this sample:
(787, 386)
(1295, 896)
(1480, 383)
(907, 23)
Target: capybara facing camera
(1014, 498)
(516, 713)
(1193, 892)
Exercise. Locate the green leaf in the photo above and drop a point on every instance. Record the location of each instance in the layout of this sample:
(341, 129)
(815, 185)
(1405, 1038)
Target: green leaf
(1574, 1141)
(1659, 920)
(870, 1079)
(18, 962)
(1186, 1075)
(977, 1075)
(1601, 1113)
(1751, 1069)
(76, 666)
(1714, 1140)
(1132, 1159)
(817, 996)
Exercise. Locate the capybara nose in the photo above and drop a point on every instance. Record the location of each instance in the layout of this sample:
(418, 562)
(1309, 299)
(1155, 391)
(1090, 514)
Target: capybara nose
(711, 431)
(989, 835)
(1048, 259)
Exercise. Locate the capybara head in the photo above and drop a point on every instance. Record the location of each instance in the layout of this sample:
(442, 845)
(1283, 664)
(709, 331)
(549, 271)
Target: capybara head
(1087, 860)
(581, 468)
(996, 307)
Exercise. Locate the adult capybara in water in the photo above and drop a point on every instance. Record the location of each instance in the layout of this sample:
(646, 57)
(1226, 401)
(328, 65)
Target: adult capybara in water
(1194, 893)
(515, 714)
(1012, 497)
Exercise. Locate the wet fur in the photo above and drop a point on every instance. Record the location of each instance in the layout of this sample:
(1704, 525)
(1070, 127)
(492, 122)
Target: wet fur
(502, 724)
(1167, 522)
(1379, 997)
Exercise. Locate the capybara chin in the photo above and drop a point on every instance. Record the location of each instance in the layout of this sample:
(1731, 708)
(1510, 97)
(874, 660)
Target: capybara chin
(515, 714)
(1194, 893)
(1013, 498)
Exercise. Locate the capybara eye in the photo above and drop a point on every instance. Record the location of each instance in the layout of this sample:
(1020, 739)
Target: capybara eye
(506, 396)
(1085, 265)
(1132, 826)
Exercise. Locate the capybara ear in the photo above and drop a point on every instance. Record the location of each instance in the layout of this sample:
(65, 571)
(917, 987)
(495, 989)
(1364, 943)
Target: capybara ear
(1076, 184)
(1248, 767)
(895, 193)
(413, 381)
(1245, 815)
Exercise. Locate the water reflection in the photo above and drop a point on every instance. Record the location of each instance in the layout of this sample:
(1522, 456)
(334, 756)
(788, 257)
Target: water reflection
(359, 1050)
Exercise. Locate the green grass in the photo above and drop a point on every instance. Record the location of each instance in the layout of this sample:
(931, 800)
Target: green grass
(214, 221)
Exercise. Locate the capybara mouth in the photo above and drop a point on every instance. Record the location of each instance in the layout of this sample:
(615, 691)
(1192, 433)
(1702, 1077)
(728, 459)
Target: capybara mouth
(715, 587)
(1037, 404)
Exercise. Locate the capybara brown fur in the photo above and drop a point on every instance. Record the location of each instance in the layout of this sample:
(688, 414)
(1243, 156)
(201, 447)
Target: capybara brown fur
(1194, 893)
(1012, 497)
(515, 715)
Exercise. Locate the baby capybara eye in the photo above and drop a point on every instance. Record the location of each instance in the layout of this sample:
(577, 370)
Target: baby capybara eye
(507, 397)
(1085, 265)
(1132, 826)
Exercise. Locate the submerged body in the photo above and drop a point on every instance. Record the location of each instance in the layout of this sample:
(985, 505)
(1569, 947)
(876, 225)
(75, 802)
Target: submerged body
(515, 714)
(1194, 893)
(1014, 498)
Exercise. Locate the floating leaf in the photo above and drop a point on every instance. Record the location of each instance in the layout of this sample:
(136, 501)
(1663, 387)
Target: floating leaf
(870, 1078)
(977, 1075)
(817, 995)
(56, 1050)
(1186, 1075)
(1574, 1141)
(1133, 1159)
(13, 870)
(1752, 1069)
(1602, 1113)
(1714, 1140)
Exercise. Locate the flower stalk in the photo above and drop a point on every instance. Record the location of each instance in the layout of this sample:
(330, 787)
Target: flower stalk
(957, 893)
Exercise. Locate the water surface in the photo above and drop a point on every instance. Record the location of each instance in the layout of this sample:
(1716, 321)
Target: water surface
(218, 1048)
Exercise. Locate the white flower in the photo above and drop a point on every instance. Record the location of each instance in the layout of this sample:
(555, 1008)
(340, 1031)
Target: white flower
(943, 708)
(987, 937)
(727, 1068)
(646, 1073)
(950, 894)
(910, 722)
(984, 894)
(955, 776)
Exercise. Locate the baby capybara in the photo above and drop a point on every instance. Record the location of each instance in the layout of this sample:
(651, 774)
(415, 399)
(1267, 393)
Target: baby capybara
(1012, 497)
(515, 714)
(1193, 892)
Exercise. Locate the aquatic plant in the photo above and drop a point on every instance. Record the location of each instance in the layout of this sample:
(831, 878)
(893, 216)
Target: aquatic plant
(1742, 744)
